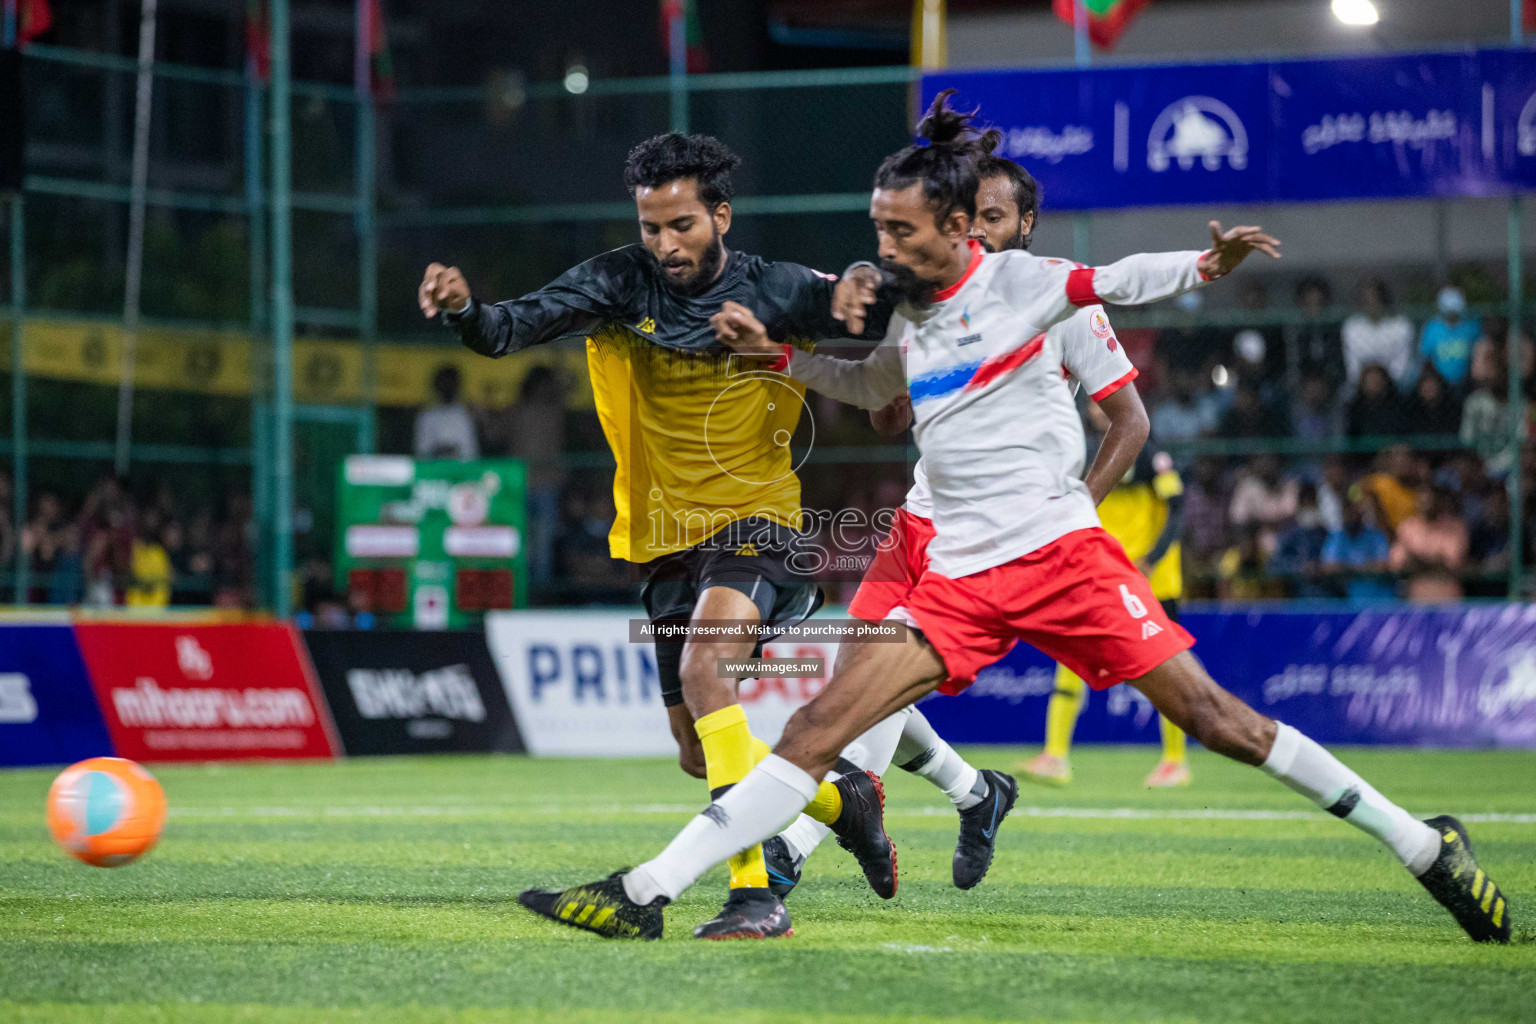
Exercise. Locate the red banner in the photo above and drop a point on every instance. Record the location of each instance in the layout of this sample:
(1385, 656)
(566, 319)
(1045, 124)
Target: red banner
(206, 692)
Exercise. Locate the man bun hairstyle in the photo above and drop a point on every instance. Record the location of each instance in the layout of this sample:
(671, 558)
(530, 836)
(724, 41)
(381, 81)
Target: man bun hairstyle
(663, 159)
(946, 166)
(1026, 190)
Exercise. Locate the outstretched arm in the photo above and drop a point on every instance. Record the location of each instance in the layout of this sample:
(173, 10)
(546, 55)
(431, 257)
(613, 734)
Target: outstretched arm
(1147, 277)
(869, 383)
(574, 303)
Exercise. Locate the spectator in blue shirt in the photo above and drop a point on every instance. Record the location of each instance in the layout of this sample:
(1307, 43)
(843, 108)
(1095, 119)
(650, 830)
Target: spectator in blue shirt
(1299, 547)
(1358, 555)
(1447, 340)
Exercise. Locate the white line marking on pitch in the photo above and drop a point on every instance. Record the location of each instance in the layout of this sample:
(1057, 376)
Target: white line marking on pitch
(1087, 813)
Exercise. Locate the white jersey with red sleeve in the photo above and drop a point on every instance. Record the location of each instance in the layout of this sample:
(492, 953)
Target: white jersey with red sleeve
(864, 383)
(1001, 440)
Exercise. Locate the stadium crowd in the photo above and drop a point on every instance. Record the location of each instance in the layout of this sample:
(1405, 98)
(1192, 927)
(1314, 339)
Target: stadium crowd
(1358, 457)
(1333, 504)
(116, 547)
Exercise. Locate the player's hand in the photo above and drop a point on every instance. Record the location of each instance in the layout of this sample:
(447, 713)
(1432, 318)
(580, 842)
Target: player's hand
(442, 288)
(894, 418)
(738, 328)
(1229, 248)
(854, 294)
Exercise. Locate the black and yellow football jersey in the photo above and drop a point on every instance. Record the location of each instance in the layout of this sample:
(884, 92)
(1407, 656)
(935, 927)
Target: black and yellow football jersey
(1145, 514)
(700, 436)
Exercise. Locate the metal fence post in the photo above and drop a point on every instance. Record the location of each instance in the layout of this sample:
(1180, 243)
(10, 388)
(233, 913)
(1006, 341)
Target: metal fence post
(367, 228)
(282, 317)
(1512, 346)
(256, 226)
(19, 390)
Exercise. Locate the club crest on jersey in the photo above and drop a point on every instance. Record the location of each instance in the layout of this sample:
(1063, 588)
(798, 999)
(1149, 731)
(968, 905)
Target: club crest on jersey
(965, 318)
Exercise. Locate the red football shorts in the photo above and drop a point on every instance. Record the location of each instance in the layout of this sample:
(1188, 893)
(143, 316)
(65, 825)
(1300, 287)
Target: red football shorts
(900, 561)
(1078, 599)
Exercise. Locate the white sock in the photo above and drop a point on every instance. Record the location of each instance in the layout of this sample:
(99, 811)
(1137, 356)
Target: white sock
(755, 808)
(803, 835)
(872, 751)
(922, 751)
(1320, 777)
(875, 747)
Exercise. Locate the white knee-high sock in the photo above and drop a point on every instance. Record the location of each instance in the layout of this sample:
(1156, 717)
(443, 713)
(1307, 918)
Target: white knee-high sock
(1320, 777)
(873, 752)
(876, 746)
(755, 808)
(922, 751)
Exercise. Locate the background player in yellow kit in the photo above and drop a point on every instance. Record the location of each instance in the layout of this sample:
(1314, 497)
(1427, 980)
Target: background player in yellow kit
(1145, 513)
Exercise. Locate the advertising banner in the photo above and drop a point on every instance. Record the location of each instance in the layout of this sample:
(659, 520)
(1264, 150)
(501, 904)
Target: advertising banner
(580, 688)
(1452, 676)
(48, 714)
(180, 692)
(1423, 125)
(326, 371)
(413, 693)
(1456, 676)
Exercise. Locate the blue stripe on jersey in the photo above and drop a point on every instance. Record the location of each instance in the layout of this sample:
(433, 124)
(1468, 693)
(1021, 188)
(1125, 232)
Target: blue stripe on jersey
(941, 382)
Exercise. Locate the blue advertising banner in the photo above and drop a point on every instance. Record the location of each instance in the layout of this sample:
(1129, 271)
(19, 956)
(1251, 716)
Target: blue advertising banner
(48, 712)
(1459, 676)
(1461, 124)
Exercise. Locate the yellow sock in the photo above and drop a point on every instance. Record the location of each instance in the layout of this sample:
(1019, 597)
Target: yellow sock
(827, 806)
(828, 802)
(729, 753)
(1173, 741)
(1061, 713)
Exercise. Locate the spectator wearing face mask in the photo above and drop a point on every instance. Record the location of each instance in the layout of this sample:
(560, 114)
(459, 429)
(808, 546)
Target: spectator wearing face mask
(1446, 340)
(1299, 546)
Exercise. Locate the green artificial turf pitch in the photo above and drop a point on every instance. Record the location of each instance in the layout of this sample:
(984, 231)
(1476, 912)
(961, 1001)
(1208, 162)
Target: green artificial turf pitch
(383, 890)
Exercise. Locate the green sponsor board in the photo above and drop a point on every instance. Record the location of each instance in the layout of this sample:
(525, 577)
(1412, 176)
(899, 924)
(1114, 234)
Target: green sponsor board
(431, 544)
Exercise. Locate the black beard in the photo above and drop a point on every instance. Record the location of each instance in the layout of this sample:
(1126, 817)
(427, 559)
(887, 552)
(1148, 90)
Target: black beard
(1017, 241)
(914, 290)
(699, 283)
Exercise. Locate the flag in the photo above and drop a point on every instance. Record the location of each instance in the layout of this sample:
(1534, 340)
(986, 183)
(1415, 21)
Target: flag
(1107, 19)
(33, 18)
(258, 42)
(693, 33)
(381, 70)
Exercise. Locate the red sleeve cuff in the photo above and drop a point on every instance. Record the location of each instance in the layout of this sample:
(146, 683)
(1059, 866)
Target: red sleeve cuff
(1203, 275)
(781, 364)
(1080, 287)
(1109, 389)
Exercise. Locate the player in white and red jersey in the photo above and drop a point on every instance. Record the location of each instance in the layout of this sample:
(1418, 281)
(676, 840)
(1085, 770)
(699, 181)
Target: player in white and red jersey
(1007, 205)
(1017, 552)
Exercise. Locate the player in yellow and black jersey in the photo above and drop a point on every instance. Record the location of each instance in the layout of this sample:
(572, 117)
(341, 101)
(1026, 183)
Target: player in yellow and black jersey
(706, 496)
(1145, 513)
